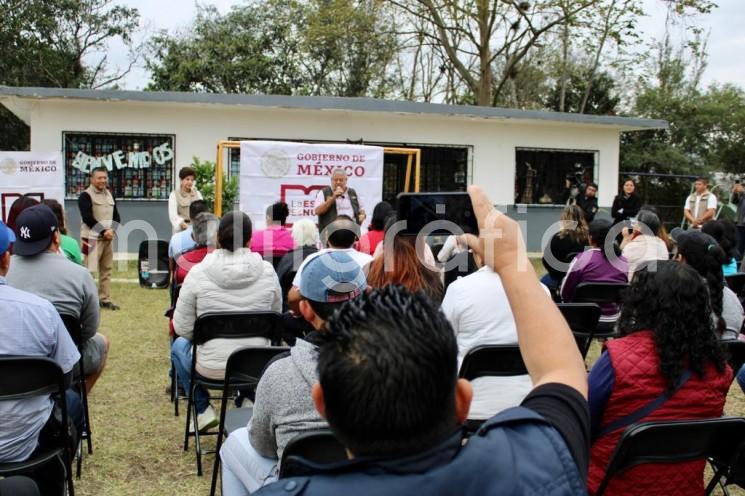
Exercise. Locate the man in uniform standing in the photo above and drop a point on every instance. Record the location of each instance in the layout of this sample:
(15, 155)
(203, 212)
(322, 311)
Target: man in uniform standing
(99, 219)
(338, 199)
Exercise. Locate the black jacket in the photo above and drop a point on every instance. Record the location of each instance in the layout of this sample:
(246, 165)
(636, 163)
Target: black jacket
(589, 206)
(625, 207)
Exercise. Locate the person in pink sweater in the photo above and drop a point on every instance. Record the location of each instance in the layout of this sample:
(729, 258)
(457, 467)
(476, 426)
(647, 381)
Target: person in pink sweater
(274, 241)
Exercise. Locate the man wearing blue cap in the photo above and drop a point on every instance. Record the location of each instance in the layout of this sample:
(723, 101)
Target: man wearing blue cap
(32, 327)
(283, 407)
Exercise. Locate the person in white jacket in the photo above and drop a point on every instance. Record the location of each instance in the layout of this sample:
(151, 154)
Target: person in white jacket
(231, 278)
(180, 199)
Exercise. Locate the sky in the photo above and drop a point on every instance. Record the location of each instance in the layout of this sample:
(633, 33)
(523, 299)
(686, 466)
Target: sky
(726, 63)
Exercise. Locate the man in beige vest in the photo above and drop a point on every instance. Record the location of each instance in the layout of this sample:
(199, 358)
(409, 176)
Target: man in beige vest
(99, 220)
(701, 205)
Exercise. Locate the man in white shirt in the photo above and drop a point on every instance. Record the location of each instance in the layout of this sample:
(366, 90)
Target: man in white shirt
(701, 205)
(478, 310)
(342, 234)
(338, 199)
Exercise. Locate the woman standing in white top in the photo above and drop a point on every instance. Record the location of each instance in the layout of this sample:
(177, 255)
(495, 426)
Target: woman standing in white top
(181, 198)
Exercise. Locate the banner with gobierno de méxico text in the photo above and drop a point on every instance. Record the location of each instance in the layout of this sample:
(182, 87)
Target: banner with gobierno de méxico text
(274, 171)
(40, 175)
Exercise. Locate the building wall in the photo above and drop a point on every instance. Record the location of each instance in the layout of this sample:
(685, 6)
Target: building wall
(199, 127)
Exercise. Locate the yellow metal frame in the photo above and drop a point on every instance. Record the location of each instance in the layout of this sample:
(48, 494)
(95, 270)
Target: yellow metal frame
(413, 155)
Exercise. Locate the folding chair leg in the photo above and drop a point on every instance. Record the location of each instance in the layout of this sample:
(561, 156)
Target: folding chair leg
(67, 464)
(80, 459)
(716, 479)
(188, 418)
(215, 469)
(197, 441)
(88, 430)
(174, 390)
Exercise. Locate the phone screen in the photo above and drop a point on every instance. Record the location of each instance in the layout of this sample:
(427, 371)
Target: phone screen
(420, 209)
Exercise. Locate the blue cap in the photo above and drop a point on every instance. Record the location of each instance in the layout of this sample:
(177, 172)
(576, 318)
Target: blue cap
(332, 276)
(6, 237)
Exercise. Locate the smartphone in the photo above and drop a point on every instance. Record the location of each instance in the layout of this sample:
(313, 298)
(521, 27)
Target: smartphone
(420, 209)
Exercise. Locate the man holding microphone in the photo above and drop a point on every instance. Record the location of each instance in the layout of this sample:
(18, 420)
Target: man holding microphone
(338, 199)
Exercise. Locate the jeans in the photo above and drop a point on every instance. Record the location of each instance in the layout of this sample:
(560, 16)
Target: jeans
(181, 356)
(244, 470)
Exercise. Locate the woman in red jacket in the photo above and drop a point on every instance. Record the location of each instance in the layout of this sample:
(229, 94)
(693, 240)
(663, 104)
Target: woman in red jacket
(668, 349)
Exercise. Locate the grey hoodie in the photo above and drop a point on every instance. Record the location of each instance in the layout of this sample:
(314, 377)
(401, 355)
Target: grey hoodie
(283, 406)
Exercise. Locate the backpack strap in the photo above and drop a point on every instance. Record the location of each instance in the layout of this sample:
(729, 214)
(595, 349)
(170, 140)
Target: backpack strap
(644, 411)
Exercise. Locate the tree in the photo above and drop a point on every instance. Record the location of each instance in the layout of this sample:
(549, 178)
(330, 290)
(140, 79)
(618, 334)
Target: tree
(707, 127)
(58, 43)
(313, 47)
(250, 49)
(485, 42)
(584, 94)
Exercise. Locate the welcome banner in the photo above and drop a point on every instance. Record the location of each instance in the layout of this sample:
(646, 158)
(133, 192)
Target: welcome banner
(274, 171)
(40, 175)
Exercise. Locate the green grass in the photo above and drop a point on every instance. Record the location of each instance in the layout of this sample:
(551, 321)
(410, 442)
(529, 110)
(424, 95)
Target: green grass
(137, 440)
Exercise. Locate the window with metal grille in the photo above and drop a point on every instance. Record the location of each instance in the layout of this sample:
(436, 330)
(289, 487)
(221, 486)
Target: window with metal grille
(140, 165)
(547, 176)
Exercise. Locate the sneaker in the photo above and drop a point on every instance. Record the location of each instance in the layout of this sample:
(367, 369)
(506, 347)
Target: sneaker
(207, 419)
(109, 305)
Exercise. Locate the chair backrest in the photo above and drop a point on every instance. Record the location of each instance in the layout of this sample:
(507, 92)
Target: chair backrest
(736, 282)
(735, 353)
(26, 377)
(599, 292)
(582, 317)
(235, 325)
(74, 327)
(318, 447)
(675, 442)
(246, 365)
(152, 264)
(500, 360)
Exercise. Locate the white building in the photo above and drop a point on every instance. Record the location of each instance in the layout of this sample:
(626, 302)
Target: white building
(493, 147)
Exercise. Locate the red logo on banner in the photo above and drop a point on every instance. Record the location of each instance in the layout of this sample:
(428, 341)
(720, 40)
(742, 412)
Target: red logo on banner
(299, 206)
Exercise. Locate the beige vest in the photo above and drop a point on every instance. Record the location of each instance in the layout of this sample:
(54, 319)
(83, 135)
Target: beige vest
(103, 211)
(183, 201)
(703, 204)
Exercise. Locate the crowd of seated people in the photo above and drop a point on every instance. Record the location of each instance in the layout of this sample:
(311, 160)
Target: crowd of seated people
(283, 406)
(377, 342)
(231, 278)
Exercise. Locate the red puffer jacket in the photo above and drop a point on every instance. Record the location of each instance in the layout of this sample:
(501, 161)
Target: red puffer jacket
(638, 382)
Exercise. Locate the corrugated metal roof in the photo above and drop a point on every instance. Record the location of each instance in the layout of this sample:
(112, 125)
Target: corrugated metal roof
(357, 104)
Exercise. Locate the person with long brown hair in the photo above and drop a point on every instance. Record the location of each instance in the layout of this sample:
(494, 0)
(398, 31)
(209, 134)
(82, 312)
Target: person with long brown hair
(572, 238)
(407, 270)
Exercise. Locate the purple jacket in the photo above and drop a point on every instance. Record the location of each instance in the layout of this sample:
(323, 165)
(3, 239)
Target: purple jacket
(592, 266)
